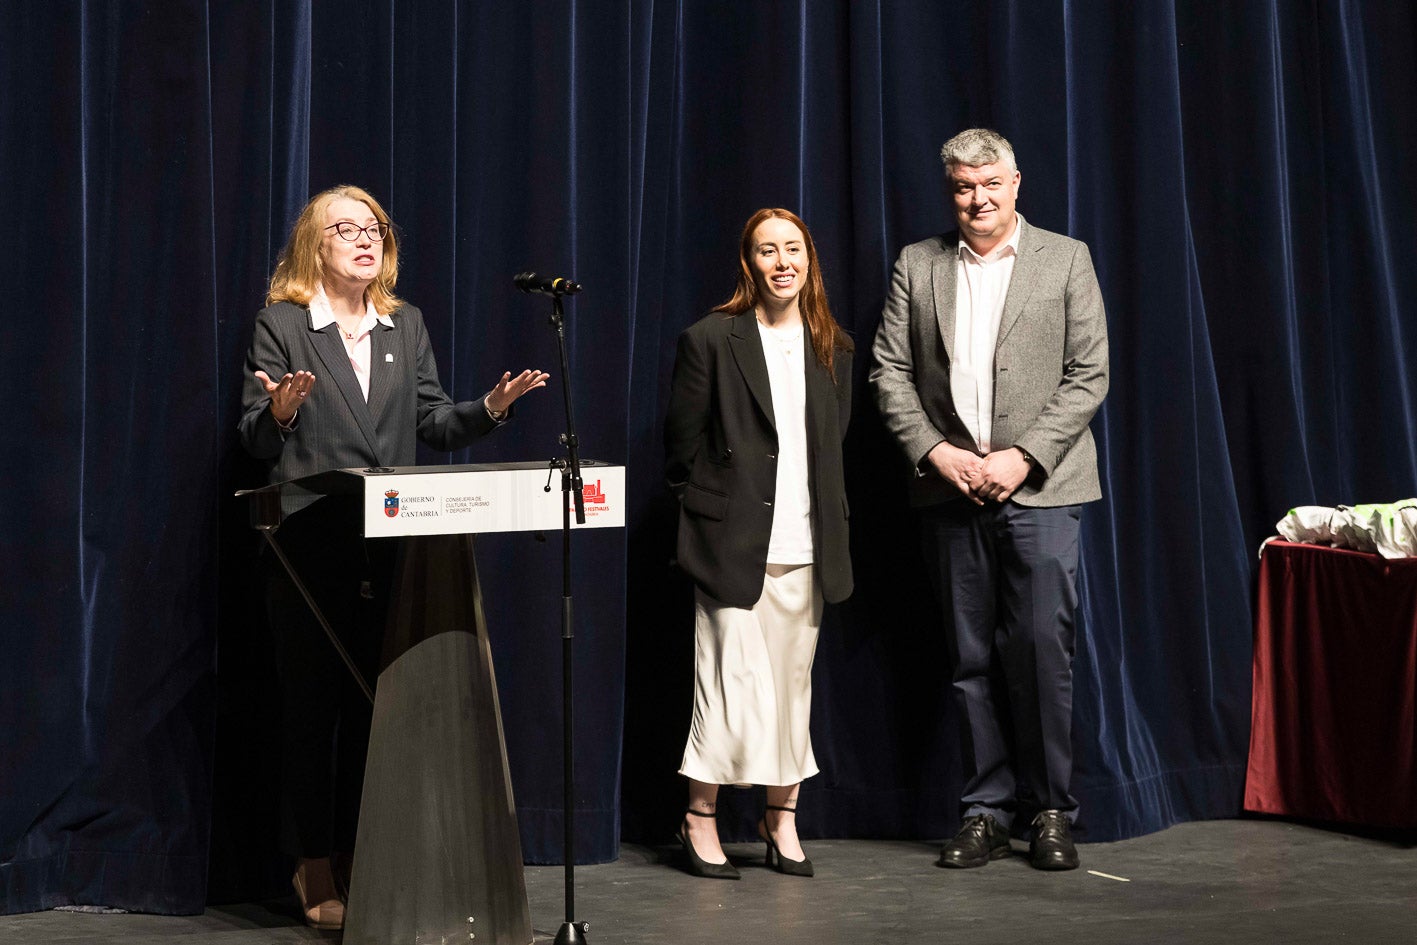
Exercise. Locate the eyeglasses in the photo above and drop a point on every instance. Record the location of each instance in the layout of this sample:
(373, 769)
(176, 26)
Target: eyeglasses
(348, 231)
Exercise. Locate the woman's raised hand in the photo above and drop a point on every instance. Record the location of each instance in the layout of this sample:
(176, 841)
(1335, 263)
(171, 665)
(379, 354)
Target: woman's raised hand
(287, 394)
(509, 388)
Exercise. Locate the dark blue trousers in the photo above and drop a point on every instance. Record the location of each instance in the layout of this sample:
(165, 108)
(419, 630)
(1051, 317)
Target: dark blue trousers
(1006, 578)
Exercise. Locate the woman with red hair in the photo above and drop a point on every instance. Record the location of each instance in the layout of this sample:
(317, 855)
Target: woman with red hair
(759, 404)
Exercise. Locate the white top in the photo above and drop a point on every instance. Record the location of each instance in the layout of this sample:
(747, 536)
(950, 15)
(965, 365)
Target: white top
(791, 540)
(357, 343)
(980, 290)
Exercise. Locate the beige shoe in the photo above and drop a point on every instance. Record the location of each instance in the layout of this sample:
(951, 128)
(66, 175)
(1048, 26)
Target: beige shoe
(326, 915)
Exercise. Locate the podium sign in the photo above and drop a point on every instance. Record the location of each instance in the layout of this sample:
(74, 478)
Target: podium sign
(462, 500)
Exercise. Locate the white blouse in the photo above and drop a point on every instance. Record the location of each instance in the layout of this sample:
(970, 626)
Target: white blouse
(791, 540)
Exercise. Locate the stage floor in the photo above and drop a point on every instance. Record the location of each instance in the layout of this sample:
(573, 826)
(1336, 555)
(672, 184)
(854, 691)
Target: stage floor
(1232, 881)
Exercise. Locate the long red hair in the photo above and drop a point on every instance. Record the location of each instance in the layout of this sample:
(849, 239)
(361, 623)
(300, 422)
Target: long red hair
(827, 336)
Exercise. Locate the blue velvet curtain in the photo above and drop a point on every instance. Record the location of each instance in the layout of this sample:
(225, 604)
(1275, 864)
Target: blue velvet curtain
(1238, 170)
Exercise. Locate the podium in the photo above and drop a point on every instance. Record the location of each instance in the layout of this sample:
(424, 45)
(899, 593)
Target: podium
(438, 856)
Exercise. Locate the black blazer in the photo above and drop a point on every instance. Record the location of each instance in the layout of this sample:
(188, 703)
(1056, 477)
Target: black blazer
(720, 441)
(335, 428)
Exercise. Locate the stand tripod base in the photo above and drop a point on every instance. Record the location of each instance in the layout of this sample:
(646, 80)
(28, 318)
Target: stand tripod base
(572, 933)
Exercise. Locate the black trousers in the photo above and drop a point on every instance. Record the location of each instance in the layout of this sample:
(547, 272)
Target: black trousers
(324, 715)
(1006, 577)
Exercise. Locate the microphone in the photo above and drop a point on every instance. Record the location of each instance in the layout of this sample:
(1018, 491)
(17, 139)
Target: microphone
(545, 285)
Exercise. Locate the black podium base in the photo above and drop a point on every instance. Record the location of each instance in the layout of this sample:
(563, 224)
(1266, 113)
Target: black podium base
(438, 857)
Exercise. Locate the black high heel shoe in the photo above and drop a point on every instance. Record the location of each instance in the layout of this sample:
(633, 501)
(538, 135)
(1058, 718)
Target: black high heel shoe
(774, 857)
(698, 866)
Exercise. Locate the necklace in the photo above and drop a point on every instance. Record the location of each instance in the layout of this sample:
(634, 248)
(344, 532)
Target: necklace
(787, 339)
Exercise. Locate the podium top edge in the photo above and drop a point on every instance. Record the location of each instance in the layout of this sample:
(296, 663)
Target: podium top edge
(335, 481)
(462, 467)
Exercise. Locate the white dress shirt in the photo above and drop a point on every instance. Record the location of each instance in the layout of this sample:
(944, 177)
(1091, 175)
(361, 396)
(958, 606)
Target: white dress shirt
(357, 342)
(981, 286)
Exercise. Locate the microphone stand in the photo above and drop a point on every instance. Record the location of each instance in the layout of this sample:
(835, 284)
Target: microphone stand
(571, 931)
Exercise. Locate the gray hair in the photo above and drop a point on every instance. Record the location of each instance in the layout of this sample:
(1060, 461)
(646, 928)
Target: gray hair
(976, 147)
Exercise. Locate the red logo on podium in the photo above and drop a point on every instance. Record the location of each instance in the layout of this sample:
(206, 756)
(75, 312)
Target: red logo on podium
(391, 503)
(593, 494)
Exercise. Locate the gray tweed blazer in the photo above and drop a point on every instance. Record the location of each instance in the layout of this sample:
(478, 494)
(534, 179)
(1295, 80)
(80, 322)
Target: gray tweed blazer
(1050, 365)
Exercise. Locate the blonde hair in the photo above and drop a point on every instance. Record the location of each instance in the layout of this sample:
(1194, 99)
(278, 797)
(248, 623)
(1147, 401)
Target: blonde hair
(299, 268)
(827, 336)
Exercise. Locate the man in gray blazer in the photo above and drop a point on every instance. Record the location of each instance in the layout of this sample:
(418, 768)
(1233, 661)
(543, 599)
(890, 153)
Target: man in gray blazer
(991, 359)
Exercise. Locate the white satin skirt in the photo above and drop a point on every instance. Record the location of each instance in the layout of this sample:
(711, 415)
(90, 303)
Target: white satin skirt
(753, 684)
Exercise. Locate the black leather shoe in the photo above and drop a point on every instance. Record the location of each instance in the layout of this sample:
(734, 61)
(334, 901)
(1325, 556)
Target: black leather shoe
(1052, 845)
(980, 840)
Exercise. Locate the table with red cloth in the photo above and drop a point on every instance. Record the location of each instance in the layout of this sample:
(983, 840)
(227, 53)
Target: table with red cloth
(1335, 671)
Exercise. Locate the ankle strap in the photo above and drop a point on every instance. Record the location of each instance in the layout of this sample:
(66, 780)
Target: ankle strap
(699, 813)
(786, 810)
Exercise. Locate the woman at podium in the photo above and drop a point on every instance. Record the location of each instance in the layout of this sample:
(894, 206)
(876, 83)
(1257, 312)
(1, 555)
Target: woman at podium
(340, 374)
(759, 404)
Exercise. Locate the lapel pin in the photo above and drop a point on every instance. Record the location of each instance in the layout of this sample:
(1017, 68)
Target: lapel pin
(389, 358)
